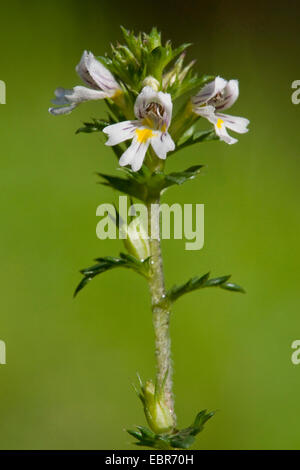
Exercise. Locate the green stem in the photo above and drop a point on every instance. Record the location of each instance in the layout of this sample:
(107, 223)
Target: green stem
(160, 308)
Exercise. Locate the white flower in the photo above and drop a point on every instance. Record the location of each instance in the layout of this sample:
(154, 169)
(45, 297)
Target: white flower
(102, 85)
(217, 96)
(153, 111)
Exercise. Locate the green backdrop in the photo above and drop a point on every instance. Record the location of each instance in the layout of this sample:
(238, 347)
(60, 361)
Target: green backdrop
(70, 363)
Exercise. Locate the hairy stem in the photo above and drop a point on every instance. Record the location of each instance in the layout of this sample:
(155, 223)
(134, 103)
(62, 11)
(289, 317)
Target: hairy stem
(160, 307)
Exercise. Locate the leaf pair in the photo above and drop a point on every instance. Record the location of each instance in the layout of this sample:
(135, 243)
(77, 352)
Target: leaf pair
(146, 186)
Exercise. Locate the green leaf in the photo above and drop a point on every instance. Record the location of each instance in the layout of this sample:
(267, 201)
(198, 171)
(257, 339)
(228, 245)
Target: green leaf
(129, 186)
(182, 176)
(199, 282)
(157, 60)
(176, 52)
(146, 432)
(153, 39)
(186, 437)
(190, 82)
(135, 434)
(192, 284)
(217, 281)
(200, 420)
(181, 439)
(191, 137)
(144, 185)
(233, 287)
(109, 262)
(182, 442)
(133, 42)
(96, 125)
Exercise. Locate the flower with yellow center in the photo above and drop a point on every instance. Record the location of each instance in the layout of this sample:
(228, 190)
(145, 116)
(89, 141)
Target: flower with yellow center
(101, 82)
(214, 97)
(153, 110)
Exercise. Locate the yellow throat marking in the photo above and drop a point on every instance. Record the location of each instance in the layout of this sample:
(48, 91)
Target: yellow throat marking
(117, 94)
(143, 135)
(219, 123)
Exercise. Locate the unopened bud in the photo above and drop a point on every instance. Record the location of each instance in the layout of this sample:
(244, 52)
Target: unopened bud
(152, 82)
(158, 415)
(137, 243)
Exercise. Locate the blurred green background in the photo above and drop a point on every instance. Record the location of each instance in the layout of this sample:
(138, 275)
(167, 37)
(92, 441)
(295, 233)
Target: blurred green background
(70, 363)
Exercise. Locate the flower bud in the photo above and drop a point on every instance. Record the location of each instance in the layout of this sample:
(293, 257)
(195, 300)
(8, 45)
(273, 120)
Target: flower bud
(157, 413)
(152, 82)
(137, 243)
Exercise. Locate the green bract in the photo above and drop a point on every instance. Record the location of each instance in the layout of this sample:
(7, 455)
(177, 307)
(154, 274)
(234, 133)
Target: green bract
(144, 55)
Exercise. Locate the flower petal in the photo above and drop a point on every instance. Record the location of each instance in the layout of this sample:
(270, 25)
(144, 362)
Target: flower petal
(94, 74)
(220, 129)
(77, 95)
(209, 91)
(162, 143)
(147, 96)
(166, 101)
(223, 134)
(120, 132)
(73, 97)
(135, 154)
(204, 111)
(230, 95)
(235, 123)
(60, 96)
(62, 110)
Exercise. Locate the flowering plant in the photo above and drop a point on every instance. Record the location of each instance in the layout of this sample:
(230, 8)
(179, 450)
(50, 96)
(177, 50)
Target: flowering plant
(139, 82)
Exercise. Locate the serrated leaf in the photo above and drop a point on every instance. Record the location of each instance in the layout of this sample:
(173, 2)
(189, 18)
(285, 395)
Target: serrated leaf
(153, 39)
(109, 262)
(144, 186)
(182, 176)
(97, 125)
(133, 42)
(182, 442)
(200, 282)
(157, 60)
(193, 82)
(125, 185)
(190, 82)
(200, 420)
(191, 137)
(192, 284)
